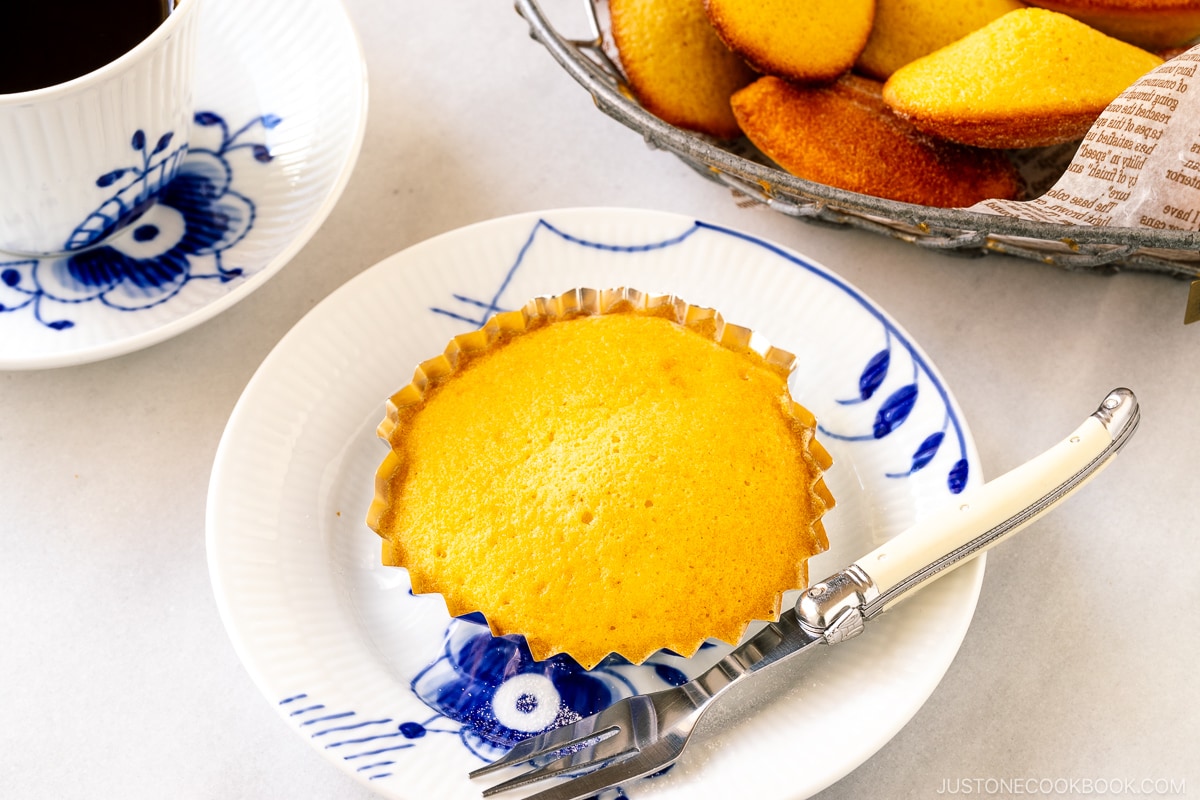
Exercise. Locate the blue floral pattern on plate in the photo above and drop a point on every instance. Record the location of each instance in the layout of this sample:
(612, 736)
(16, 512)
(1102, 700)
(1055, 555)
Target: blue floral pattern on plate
(467, 696)
(895, 408)
(490, 693)
(500, 695)
(172, 234)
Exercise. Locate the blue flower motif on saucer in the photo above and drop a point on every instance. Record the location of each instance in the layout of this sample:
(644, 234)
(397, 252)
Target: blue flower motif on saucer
(171, 234)
(137, 187)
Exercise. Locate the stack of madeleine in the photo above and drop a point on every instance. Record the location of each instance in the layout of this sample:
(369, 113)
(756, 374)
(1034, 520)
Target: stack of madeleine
(912, 100)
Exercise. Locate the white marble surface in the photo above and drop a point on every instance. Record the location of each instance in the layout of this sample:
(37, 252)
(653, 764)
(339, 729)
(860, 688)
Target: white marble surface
(118, 679)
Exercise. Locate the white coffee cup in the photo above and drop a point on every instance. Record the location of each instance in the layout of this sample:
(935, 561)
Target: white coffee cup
(80, 160)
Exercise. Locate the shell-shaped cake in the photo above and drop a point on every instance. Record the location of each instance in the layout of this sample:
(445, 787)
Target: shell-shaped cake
(1152, 24)
(1031, 78)
(843, 135)
(905, 30)
(678, 68)
(808, 42)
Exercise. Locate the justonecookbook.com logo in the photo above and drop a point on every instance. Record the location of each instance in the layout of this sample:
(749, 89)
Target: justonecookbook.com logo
(1080, 787)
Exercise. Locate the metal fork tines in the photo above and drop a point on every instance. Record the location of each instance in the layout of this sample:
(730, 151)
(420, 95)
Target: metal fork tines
(610, 747)
(643, 734)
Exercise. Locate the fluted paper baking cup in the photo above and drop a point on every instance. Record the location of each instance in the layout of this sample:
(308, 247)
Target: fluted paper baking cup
(604, 471)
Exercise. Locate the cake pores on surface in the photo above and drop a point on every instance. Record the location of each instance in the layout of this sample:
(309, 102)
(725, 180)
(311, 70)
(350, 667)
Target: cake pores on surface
(610, 482)
(905, 30)
(678, 68)
(809, 41)
(843, 135)
(1153, 24)
(1031, 78)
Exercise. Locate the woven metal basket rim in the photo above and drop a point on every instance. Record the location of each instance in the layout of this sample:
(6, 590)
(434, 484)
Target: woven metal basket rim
(1084, 247)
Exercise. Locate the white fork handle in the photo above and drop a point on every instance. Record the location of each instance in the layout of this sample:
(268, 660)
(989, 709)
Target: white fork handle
(981, 518)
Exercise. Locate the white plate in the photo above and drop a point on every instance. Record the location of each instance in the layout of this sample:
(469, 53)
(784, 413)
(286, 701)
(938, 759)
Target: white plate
(341, 648)
(281, 102)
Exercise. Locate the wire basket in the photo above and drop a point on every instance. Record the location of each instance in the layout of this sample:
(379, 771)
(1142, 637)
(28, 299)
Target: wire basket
(1074, 247)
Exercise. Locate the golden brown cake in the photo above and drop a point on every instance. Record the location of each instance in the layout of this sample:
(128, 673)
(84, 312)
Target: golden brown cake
(1152, 24)
(905, 30)
(1029, 79)
(843, 135)
(807, 41)
(678, 69)
(603, 472)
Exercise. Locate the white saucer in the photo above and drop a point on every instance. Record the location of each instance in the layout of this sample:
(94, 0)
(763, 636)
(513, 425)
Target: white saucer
(382, 684)
(281, 107)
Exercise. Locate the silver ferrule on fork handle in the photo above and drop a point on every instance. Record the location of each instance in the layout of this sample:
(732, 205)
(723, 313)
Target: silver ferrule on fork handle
(833, 608)
(838, 607)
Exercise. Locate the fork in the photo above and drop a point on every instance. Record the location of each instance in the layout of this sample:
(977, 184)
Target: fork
(644, 734)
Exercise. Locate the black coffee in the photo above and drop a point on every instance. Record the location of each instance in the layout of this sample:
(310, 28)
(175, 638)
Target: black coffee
(51, 41)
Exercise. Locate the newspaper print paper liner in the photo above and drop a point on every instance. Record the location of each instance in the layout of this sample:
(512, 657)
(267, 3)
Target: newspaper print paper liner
(336, 642)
